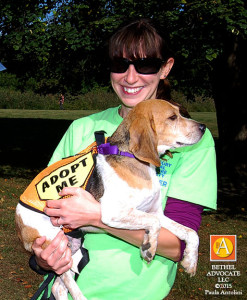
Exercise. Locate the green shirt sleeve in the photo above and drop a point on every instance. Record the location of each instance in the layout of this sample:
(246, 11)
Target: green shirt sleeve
(80, 133)
(63, 148)
(194, 179)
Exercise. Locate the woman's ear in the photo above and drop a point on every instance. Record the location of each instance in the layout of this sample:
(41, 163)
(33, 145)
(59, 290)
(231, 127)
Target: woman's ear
(166, 68)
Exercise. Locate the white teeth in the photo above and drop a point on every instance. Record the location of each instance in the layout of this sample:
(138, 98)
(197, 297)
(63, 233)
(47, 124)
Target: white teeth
(132, 90)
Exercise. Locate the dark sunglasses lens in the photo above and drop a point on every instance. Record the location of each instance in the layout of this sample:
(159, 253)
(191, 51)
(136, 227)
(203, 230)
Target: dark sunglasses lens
(142, 66)
(119, 65)
(148, 65)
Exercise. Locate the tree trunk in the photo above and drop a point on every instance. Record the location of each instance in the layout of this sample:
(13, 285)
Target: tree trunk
(229, 89)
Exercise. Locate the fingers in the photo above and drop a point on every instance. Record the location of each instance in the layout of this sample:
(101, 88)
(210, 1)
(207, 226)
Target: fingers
(52, 212)
(59, 260)
(57, 208)
(55, 221)
(55, 204)
(56, 256)
(63, 264)
(57, 247)
(52, 206)
(69, 191)
(81, 209)
(58, 222)
(38, 242)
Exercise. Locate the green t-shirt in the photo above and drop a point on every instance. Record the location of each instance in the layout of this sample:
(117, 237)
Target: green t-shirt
(116, 269)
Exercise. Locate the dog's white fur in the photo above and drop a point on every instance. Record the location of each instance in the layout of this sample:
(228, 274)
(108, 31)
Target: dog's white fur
(138, 205)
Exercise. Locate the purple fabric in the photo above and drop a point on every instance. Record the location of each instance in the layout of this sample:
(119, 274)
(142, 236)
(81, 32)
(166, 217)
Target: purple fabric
(108, 149)
(185, 213)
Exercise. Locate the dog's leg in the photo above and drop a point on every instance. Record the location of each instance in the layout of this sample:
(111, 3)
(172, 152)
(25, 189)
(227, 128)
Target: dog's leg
(59, 290)
(72, 286)
(134, 219)
(66, 282)
(31, 225)
(191, 239)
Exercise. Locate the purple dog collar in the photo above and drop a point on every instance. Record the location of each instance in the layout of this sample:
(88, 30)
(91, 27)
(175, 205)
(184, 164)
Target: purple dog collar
(108, 149)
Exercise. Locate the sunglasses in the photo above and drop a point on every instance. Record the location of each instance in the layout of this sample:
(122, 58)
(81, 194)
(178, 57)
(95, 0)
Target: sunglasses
(150, 65)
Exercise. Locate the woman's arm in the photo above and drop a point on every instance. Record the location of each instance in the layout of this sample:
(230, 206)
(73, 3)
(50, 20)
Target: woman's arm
(81, 209)
(76, 212)
(168, 243)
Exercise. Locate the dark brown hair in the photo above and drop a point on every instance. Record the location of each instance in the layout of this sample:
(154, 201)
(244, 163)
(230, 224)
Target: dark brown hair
(137, 40)
(141, 39)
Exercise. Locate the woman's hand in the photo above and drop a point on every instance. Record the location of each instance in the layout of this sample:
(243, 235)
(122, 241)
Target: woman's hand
(80, 209)
(56, 256)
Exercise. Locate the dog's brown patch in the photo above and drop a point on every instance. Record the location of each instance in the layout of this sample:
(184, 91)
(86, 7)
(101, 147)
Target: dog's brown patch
(131, 171)
(27, 234)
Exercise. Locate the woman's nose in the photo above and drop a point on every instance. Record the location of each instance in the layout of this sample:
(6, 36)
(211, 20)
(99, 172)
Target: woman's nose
(131, 75)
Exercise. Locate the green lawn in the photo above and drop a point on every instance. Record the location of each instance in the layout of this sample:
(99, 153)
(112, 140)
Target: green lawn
(45, 114)
(209, 118)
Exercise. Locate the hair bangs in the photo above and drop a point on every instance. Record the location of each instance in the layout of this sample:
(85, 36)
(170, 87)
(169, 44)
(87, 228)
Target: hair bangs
(136, 41)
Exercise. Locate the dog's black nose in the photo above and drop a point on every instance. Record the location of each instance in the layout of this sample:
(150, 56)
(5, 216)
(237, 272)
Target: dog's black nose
(202, 127)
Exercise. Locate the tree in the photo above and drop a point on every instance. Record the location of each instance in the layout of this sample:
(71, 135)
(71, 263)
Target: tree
(229, 90)
(217, 31)
(64, 40)
(23, 42)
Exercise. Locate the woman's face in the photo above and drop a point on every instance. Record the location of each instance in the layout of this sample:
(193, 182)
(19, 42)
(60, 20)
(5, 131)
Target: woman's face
(133, 87)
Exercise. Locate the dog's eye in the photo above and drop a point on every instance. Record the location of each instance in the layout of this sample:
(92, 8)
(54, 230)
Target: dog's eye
(173, 117)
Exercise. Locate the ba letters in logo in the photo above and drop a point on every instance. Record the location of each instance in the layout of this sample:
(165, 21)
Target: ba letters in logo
(223, 248)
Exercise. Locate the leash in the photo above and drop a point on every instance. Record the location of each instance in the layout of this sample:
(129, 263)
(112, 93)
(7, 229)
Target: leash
(44, 287)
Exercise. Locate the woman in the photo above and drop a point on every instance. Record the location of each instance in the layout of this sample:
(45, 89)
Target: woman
(139, 64)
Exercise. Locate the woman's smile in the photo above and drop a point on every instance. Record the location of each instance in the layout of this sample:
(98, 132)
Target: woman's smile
(131, 90)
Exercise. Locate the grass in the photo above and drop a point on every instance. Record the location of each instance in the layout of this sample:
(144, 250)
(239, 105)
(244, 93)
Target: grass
(16, 280)
(217, 223)
(209, 118)
(45, 114)
(29, 140)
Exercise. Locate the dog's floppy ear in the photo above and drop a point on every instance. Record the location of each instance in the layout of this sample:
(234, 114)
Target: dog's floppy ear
(143, 141)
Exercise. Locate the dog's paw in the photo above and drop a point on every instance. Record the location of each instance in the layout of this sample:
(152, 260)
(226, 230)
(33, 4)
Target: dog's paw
(148, 248)
(189, 262)
(146, 252)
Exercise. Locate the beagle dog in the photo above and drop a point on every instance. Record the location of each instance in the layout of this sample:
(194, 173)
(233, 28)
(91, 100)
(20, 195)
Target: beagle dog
(148, 131)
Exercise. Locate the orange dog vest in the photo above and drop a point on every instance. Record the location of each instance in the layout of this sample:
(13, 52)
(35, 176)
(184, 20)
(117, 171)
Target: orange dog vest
(73, 171)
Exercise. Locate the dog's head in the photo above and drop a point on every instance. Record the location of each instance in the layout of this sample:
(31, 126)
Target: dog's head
(156, 126)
